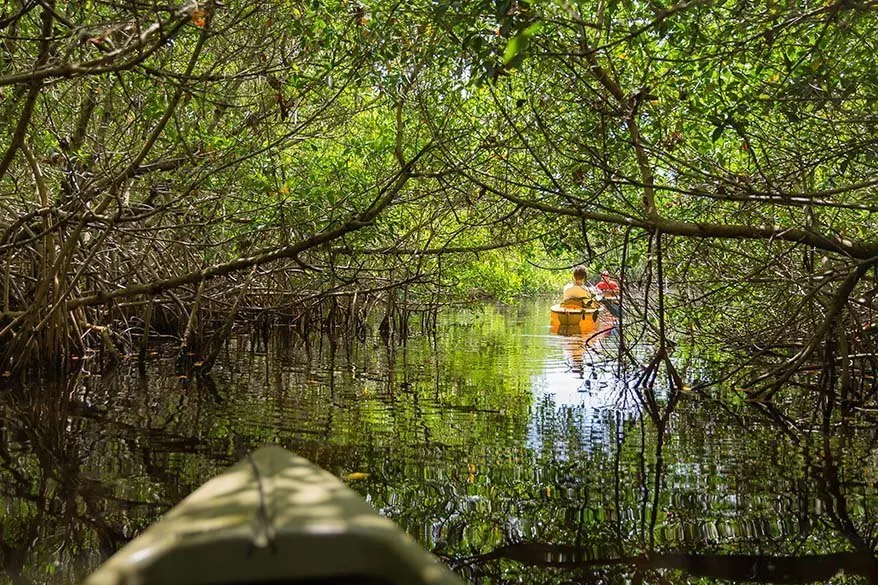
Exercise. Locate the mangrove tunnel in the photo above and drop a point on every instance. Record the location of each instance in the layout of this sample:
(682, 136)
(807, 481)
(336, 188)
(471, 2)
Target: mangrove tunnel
(344, 227)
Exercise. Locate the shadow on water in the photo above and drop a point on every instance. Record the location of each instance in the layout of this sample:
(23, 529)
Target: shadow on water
(515, 454)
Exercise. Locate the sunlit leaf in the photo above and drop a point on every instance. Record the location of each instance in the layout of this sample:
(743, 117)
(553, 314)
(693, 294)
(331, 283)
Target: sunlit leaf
(520, 42)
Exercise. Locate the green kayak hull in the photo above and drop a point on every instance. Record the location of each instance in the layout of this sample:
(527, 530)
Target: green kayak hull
(273, 518)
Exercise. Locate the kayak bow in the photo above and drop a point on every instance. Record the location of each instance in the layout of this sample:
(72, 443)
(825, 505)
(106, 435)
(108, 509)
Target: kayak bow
(273, 518)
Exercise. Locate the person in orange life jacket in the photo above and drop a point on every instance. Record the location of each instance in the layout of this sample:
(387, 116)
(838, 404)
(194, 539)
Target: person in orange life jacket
(608, 286)
(575, 293)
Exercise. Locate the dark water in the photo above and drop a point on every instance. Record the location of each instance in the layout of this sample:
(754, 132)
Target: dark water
(516, 455)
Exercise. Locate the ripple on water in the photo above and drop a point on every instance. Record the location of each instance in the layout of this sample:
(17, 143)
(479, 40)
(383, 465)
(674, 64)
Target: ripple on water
(493, 433)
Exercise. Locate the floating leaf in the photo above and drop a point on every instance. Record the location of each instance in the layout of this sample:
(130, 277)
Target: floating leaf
(356, 475)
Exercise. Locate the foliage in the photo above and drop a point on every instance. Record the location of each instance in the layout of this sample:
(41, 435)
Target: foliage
(507, 275)
(285, 155)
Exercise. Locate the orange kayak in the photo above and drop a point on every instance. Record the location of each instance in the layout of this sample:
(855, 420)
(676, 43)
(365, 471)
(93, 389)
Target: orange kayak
(575, 320)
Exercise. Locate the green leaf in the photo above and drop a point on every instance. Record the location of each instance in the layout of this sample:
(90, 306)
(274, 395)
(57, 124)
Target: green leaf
(520, 42)
(533, 29)
(516, 45)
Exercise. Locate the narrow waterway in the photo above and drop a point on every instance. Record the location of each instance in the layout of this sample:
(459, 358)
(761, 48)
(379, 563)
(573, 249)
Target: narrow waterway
(515, 454)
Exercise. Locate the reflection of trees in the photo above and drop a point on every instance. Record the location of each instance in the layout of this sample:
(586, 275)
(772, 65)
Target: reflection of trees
(638, 488)
(830, 488)
(750, 568)
(86, 466)
(58, 448)
(680, 485)
(59, 504)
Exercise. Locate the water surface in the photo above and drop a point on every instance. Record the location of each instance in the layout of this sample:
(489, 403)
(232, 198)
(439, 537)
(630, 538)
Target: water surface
(514, 454)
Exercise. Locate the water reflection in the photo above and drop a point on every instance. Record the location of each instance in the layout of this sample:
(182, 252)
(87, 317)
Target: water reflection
(516, 454)
(585, 371)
